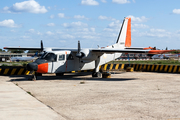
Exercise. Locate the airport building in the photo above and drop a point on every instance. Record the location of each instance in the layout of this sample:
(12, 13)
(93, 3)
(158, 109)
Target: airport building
(5, 56)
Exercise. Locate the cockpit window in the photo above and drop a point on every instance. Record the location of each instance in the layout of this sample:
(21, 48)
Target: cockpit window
(49, 57)
(43, 55)
(61, 57)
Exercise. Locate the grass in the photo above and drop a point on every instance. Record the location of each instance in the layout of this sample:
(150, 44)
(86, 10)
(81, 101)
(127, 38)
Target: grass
(161, 62)
(14, 63)
(30, 93)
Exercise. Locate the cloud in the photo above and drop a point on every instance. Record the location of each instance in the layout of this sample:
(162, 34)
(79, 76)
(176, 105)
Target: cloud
(160, 33)
(52, 16)
(50, 24)
(80, 17)
(8, 23)
(104, 1)
(139, 26)
(74, 24)
(114, 24)
(157, 30)
(138, 19)
(30, 6)
(31, 30)
(121, 1)
(105, 18)
(61, 15)
(89, 2)
(176, 11)
(49, 33)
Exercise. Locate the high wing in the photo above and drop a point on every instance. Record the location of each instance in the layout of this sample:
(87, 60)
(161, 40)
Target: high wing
(22, 48)
(112, 50)
(142, 48)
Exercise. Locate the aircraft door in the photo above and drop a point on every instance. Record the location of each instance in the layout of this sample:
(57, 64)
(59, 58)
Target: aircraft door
(59, 65)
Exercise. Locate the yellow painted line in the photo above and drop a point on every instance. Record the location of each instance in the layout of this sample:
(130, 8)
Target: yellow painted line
(13, 71)
(179, 70)
(133, 65)
(140, 67)
(105, 66)
(111, 66)
(175, 68)
(6, 71)
(170, 68)
(122, 66)
(165, 69)
(157, 68)
(73, 71)
(152, 68)
(0, 69)
(144, 67)
(79, 71)
(20, 71)
(148, 67)
(161, 68)
(137, 67)
(117, 66)
(27, 72)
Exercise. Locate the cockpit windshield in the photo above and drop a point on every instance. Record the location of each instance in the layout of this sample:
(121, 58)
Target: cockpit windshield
(49, 57)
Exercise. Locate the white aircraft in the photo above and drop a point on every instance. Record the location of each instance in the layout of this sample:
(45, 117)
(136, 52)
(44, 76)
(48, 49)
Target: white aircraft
(60, 61)
(166, 56)
(35, 56)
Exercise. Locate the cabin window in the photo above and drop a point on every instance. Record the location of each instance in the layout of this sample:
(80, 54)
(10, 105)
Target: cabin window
(61, 57)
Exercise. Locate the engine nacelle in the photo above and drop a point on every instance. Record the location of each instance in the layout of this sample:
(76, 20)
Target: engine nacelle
(84, 52)
(88, 56)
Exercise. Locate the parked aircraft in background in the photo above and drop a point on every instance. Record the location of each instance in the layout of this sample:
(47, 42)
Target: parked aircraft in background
(166, 56)
(35, 56)
(59, 60)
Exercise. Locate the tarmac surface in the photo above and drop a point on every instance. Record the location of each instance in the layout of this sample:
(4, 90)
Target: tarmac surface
(124, 96)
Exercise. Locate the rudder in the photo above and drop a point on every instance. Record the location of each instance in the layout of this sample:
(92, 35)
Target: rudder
(124, 38)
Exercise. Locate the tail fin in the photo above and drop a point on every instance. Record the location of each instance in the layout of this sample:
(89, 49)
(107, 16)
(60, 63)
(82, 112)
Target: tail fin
(124, 38)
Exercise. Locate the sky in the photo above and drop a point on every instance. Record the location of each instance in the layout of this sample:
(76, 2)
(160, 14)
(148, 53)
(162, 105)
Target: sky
(61, 23)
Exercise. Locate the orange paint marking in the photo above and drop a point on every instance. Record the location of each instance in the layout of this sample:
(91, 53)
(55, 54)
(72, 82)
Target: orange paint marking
(43, 68)
(128, 36)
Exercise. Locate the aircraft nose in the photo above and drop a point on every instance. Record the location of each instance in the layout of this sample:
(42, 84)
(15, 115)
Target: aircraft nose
(32, 66)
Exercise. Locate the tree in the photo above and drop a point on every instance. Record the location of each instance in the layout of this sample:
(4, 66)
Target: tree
(16, 51)
(1, 50)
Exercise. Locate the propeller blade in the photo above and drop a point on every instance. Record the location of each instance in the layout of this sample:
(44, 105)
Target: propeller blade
(79, 54)
(79, 47)
(42, 46)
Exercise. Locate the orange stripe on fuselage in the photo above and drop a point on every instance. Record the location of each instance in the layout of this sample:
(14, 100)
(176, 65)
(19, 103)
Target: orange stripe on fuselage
(42, 68)
(128, 35)
(159, 51)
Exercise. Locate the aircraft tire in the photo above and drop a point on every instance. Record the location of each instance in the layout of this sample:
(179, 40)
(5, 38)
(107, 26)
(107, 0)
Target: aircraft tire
(59, 74)
(96, 74)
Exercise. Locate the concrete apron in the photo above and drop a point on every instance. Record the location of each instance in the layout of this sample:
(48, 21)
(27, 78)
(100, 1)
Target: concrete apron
(16, 104)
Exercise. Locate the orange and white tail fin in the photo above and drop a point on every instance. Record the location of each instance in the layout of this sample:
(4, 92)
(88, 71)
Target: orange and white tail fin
(124, 38)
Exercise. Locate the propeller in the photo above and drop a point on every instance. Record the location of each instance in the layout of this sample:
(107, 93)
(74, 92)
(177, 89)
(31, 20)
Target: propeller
(79, 54)
(42, 46)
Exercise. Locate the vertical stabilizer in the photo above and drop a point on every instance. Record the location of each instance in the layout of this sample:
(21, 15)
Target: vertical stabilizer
(124, 38)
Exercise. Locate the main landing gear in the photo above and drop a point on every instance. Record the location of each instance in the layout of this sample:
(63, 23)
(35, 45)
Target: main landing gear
(96, 74)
